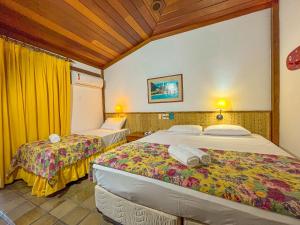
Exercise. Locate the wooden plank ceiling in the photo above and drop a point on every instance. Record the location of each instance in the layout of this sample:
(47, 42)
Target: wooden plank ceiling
(100, 32)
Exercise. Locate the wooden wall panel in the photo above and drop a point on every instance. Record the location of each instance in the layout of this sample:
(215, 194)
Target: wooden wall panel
(275, 68)
(258, 122)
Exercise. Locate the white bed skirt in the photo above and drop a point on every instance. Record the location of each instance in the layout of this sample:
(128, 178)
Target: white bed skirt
(129, 213)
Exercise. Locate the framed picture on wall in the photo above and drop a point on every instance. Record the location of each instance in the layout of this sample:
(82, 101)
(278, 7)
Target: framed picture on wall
(165, 89)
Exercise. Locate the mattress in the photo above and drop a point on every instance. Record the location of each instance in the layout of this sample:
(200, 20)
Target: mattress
(183, 202)
(109, 137)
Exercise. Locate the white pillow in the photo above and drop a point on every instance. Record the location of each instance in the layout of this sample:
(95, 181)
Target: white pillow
(115, 123)
(187, 129)
(226, 130)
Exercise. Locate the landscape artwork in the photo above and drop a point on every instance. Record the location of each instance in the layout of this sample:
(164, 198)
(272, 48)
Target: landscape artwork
(165, 89)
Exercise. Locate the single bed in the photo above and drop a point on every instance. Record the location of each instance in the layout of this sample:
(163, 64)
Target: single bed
(110, 138)
(186, 203)
(49, 167)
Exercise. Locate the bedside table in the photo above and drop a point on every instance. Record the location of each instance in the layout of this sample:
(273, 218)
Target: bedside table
(135, 136)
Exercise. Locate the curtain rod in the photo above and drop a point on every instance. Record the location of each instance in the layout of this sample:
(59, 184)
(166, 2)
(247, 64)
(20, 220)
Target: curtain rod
(32, 47)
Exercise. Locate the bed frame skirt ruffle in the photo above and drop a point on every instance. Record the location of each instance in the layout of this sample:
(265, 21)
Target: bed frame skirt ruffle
(41, 186)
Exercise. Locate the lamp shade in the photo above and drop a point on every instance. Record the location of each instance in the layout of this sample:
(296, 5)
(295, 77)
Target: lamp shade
(221, 104)
(119, 108)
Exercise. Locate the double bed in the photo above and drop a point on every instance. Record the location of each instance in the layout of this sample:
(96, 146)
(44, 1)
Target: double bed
(175, 201)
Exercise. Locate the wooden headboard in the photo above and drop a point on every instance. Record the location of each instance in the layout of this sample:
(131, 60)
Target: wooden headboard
(258, 122)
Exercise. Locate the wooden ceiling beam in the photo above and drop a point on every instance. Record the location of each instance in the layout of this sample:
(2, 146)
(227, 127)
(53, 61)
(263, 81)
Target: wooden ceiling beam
(211, 21)
(209, 13)
(24, 25)
(32, 40)
(117, 5)
(137, 16)
(113, 14)
(55, 27)
(74, 21)
(155, 15)
(199, 5)
(81, 8)
(66, 16)
(106, 15)
(178, 5)
(198, 15)
(144, 10)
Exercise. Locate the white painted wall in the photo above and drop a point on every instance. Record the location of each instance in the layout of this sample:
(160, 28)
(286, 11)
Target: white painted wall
(290, 80)
(87, 109)
(229, 59)
(86, 67)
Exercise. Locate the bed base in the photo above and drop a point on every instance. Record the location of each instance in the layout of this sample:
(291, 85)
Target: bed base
(192, 222)
(108, 219)
(121, 211)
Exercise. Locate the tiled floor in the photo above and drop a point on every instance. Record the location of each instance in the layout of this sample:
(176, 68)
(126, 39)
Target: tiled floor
(73, 205)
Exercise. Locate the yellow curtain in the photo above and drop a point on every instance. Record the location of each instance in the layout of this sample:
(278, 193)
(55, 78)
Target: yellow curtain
(34, 101)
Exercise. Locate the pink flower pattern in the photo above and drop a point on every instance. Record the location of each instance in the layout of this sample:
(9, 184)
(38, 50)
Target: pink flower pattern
(268, 182)
(45, 159)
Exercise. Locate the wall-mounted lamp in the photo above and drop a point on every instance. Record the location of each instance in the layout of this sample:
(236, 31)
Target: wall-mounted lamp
(221, 105)
(119, 109)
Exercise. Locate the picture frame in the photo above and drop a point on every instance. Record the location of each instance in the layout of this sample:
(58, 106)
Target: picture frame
(165, 89)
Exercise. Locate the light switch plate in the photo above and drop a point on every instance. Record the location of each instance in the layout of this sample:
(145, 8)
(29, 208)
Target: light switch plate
(165, 116)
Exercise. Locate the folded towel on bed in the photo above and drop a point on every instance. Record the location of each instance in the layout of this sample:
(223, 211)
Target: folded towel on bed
(204, 158)
(185, 157)
(54, 138)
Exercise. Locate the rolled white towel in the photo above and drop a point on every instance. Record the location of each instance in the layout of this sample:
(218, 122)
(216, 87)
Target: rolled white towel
(53, 138)
(204, 158)
(185, 157)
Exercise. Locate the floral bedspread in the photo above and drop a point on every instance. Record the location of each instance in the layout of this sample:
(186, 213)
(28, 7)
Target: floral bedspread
(264, 181)
(45, 159)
